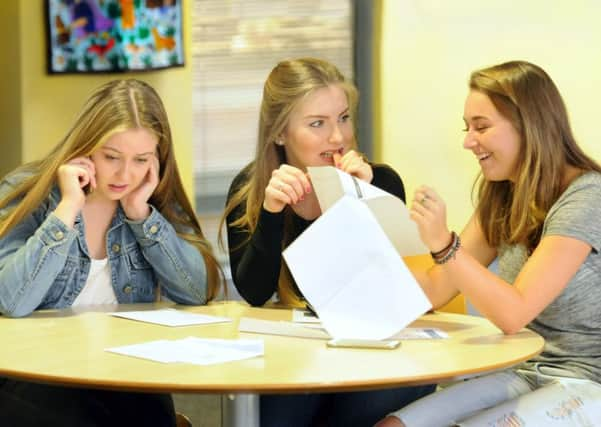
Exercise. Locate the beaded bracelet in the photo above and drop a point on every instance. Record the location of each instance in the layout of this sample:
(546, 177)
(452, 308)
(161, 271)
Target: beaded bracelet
(446, 248)
(449, 252)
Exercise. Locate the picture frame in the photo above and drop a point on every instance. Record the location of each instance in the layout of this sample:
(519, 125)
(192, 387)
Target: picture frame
(112, 36)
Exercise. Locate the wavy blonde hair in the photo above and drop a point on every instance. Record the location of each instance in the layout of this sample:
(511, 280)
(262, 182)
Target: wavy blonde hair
(288, 84)
(114, 107)
(523, 93)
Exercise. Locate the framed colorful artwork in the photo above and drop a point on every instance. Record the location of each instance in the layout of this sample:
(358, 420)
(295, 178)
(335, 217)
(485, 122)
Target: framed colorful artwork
(91, 36)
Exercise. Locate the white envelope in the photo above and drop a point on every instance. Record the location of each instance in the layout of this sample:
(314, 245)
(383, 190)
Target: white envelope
(349, 270)
(330, 184)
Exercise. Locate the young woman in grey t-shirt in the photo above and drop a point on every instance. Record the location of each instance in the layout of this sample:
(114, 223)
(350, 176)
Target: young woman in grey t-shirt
(537, 212)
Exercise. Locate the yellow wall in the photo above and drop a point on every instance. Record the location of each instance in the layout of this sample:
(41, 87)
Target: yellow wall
(428, 48)
(49, 103)
(10, 87)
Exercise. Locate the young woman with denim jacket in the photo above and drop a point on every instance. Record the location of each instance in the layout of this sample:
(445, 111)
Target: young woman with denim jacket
(103, 219)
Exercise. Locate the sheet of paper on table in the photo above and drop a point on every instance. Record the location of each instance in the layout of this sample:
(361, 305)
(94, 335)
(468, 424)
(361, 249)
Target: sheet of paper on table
(170, 317)
(197, 351)
(347, 267)
(279, 327)
(315, 330)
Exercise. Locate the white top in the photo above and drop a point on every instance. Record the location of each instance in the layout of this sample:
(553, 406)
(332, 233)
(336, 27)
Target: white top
(98, 288)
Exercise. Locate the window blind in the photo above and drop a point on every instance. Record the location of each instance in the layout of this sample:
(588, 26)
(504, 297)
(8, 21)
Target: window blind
(235, 44)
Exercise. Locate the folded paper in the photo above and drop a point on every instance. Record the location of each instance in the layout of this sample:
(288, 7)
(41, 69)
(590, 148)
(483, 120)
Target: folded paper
(347, 266)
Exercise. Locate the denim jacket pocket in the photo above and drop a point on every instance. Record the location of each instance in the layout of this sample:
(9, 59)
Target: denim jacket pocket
(136, 259)
(141, 273)
(60, 293)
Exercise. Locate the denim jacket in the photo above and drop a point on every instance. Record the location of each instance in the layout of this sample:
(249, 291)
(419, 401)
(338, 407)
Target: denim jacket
(45, 264)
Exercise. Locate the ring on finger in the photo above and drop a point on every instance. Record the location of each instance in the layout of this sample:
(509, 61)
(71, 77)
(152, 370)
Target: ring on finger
(423, 199)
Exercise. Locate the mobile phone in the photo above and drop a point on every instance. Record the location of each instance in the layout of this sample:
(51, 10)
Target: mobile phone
(352, 343)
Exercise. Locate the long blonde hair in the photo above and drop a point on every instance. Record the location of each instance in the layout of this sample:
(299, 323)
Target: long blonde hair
(290, 82)
(116, 106)
(523, 93)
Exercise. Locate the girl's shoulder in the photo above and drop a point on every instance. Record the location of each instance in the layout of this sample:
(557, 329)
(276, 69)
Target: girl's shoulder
(589, 182)
(582, 198)
(11, 181)
(14, 179)
(240, 179)
(571, 214)
(590, 177)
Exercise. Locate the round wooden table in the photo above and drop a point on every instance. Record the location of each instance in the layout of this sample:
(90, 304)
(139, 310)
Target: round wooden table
(67, 347)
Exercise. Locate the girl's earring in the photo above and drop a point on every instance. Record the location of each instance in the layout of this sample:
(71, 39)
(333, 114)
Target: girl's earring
(279, 142)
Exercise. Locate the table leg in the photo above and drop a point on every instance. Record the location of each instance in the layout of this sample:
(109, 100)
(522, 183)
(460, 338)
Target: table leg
(240, 410)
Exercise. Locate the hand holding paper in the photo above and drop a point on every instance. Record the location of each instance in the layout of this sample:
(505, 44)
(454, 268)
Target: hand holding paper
(348, 269)
(354, 163)
(330, 184)
(287, 185)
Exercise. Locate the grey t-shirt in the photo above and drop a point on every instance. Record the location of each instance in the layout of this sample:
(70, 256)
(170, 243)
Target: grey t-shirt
(571, 324)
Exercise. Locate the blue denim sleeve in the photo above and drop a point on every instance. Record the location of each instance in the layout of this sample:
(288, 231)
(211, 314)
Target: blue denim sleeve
(32, 254)
(179, 265)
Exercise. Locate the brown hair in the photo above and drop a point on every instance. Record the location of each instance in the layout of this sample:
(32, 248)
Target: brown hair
(523, 93)
(290, 82)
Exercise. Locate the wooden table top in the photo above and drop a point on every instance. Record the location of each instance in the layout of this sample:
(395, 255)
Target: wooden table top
(67, 347)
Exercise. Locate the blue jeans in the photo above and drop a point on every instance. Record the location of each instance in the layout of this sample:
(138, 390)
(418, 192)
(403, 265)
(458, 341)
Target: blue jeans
(362, 408)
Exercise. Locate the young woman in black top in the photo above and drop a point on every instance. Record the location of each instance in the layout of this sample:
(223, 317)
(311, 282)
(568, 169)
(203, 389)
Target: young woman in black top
(306, 119)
